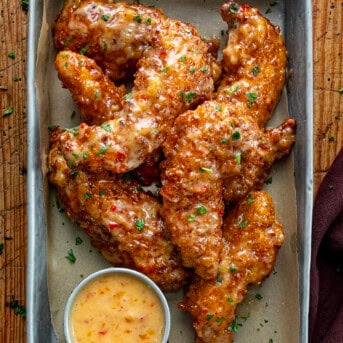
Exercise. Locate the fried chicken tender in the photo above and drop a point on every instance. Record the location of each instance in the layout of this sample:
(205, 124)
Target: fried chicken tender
(175, 72)
(123, 223)
(208, 149)
(218, 151)
(254, 60)
(251, 239)
(95, 94)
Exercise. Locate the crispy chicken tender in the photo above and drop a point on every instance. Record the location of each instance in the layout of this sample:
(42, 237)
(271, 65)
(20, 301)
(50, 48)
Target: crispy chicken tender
(208, 149)
(254, 60)
(123, 223)
(174, 73)
(95, 94)
(251, 239)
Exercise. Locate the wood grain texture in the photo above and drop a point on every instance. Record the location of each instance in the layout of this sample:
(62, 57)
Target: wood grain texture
(328, 103)
(12, 169)
(328, 79)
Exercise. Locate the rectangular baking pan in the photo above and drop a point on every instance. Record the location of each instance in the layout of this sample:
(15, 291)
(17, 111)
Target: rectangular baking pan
(298, 36)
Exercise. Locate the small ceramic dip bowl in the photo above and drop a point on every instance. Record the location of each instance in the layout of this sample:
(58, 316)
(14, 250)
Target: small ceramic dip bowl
(117, 305)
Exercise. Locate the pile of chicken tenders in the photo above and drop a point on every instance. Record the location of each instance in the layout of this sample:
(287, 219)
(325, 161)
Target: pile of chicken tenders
(194, 126)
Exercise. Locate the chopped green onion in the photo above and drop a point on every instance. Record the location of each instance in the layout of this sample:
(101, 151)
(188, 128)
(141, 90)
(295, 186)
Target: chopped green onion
(71, 256)
(140, 224)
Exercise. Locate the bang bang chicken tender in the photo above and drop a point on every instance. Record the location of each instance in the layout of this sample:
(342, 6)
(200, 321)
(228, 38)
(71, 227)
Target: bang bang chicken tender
(219, 151)
(123, 223)
(175, 71)
(252, 237)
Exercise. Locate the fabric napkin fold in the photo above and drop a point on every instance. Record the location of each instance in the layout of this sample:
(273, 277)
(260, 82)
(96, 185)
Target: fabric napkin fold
(326, 298)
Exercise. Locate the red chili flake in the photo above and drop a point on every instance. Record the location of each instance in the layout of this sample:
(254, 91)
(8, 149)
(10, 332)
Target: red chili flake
(112, 225)
(221, 212)
(113, 208)
(163, 53)
(245, 7)
(121, 156)
(103, 333)
(82, 125)
(144, 97)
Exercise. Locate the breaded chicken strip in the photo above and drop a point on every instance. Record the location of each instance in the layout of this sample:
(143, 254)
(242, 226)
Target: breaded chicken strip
(95, 94)
(174, 73)
(251, 239)
(219, 151)
(208, 149)
(254, 60)
(123, 223)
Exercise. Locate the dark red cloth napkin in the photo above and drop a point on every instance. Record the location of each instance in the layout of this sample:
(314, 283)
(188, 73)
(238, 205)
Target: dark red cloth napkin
(326, 298)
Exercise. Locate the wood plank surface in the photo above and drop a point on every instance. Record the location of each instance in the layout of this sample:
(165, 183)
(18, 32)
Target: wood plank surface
(328, 137)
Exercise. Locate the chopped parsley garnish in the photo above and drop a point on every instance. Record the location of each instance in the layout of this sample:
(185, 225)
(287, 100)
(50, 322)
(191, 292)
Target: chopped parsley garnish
(270, 340)
(16, 79)
(1, 248)
(219, 108)
(239, 158)
(73, 114)
(104, 47)
(220, 319)
(187, 97)
(230, 300)
(7, 111)
(219, 279)
(140, 224)
(234, 8)
(192, 217)
(236, 135)
(138, 18)
(250, 200)
(148, 21)
(71, 257)
(127, 96)
(88, 196)
(201, 210)
(258, 296)
(85, 155)
(96, 95)
(106, 127)
(255, 70)
(11, 55)
(209, 317)
(233, 269)
(84, 49)
(78, 241)
(251, 98)
(232, 89)
(105, 17)
(340, 90)
(269, 181)
(243, 224)
(204, 69)
(235, 323)
(206, 170)
(102, 192)
(18, 309)
(192, 70)
(58, 205)
(223, 140)
(68, 40)
(183, 58)
(103, 150)
(74, 173)
(331, 138)
(25, 5)
(76, 156)
(164, 70)
(268, 11)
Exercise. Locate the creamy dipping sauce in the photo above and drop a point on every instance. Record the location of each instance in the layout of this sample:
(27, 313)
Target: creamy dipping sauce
(116, 308)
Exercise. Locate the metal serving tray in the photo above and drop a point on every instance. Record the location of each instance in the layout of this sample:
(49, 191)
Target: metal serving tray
(296, 22)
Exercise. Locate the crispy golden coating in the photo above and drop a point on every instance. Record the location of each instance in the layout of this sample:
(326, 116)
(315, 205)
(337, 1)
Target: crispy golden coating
(174, 73)
(254, 60)
(123, 223)
(251, 239)
(208, 149)
(97, 97)
(218, 150)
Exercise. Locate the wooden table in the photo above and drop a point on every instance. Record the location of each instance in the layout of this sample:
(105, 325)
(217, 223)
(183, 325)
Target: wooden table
(328, 137)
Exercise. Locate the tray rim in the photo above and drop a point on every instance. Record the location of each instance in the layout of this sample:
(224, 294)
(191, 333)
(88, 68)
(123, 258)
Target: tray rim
(39, 328)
